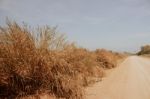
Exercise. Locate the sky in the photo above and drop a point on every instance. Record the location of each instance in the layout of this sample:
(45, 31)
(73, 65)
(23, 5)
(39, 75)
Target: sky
(118, 25)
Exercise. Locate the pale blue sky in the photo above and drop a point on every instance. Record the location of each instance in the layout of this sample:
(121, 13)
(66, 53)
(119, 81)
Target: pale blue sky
(120, 25)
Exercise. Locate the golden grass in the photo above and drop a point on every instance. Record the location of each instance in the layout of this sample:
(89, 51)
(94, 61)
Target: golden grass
(106, 59)
(41, 62)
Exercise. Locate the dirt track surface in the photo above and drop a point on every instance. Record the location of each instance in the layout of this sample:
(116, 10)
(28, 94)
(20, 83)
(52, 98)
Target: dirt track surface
(130, 80)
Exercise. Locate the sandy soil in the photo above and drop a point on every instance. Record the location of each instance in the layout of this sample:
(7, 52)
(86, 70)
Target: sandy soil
(130, 80)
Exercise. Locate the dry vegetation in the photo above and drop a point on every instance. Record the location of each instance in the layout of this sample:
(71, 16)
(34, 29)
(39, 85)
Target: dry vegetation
(42, 62)
(145, 50)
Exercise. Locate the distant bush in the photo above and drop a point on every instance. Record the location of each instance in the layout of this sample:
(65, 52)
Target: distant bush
(144, 50)
(106, 59)
(40, 62)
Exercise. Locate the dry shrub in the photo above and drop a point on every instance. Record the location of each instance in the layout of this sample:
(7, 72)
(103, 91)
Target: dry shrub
(40, 63)
(28, 68)
(119, 56)
(106, 59)
(144, 50)
(38, 96)
(83, 63)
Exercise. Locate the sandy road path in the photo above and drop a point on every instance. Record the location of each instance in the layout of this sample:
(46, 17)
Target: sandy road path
(130, 80)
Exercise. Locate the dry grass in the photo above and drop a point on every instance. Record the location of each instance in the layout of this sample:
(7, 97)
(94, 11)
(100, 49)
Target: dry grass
(106, 59)
(83, 62)
(41, 62)
(27, 69)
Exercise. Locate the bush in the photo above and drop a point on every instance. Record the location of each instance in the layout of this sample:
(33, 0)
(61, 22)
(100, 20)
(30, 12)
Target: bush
(28, 69)
(41, 62)
(144, 50)
(106, 59)
(83, 62)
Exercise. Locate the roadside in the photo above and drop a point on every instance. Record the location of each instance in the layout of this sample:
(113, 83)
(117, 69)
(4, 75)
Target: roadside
(130, 80)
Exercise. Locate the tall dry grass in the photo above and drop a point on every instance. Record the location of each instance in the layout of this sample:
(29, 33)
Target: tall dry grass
(83, 62)
(40, 62)
(28, 69)
(106, 59)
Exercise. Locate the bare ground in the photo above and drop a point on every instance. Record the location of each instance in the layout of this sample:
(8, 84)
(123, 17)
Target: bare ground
(130, 80)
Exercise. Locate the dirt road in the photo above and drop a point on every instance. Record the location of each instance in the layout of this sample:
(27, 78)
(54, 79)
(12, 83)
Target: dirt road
(130, 80)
